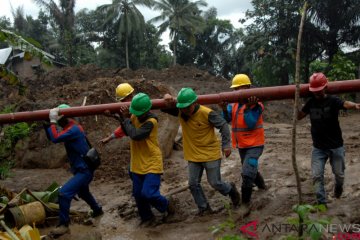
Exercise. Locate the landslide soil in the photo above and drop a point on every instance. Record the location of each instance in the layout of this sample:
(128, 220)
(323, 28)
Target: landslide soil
(112, 186)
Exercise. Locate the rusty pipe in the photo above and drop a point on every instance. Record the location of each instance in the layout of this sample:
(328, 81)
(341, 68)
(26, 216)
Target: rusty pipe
(264, 94)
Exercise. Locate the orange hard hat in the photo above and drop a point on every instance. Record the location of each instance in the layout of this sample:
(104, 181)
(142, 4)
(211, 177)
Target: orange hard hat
(318, 82)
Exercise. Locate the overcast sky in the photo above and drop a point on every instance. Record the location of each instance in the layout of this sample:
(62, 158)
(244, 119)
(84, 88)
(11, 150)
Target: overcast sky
(232, 10)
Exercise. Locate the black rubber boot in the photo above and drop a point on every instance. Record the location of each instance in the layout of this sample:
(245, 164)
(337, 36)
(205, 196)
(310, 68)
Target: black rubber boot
(234, 195)
(246, 195)
(245, 209)
(97, 213)
(205, 211)
(338, 190)
(259, 181)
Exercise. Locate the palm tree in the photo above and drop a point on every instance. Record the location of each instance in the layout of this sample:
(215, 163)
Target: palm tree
(339, 21)
(126, 17)
(64, 17)
(180, 16)
(19, 19)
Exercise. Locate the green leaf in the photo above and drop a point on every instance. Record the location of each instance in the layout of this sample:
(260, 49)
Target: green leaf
(321, 207)
(324, 221)
(53, 186)
(315, 232)
(294, 221)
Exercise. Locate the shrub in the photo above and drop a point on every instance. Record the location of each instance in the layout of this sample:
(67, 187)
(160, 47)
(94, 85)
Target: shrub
(9, 136)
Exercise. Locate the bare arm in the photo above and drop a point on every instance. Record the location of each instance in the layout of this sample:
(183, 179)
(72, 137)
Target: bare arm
(351, 105)
(169, 100)
(301, 115)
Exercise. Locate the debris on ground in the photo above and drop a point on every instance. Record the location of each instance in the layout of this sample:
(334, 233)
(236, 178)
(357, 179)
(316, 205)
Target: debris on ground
(39, 163)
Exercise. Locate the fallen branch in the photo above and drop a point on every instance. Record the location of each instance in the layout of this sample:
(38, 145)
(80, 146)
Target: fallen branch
(176, 191)
(127, 212)
(38, 199)
(16, 200)
(84, 101)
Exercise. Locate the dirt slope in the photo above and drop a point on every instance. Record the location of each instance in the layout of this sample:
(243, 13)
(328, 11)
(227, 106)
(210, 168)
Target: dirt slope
(268, 207)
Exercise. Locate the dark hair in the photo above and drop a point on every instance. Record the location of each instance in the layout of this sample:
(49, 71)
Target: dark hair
(63, 121)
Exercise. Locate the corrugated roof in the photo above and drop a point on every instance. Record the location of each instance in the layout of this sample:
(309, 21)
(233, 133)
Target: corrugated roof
(6, 52)
(4, 55)
(19, 55)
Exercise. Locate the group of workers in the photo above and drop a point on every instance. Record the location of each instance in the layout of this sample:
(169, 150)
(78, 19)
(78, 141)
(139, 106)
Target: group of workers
(202, 149)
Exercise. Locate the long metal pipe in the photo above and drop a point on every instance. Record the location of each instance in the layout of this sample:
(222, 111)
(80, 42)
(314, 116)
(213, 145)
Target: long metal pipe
(264, 94)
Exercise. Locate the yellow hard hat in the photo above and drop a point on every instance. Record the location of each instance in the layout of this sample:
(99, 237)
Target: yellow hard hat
(123, 90)
(240, 80)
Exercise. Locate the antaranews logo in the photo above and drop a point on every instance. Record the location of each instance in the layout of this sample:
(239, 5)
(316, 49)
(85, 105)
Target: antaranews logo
(249, 229)
(338, 231)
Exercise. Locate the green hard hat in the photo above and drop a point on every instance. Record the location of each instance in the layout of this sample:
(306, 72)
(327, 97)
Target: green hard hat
(186, 97)
(140, 104)
(63, 106)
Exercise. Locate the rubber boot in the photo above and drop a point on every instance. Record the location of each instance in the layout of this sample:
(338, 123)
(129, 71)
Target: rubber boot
(205, 211)
(259, 181)
(96, 213)
(338, 190)
(151, 221)
(246, 195)
(234, 195)
(244, 209)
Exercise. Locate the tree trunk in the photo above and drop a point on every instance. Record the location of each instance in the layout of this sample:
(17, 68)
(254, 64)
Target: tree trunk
(333, 46)
(357, 97)
(284, 78)
(296, 106)
(69, 46)
(175, 41)
(296, 103)
(127, 52)
(307, 70)
(126, 42)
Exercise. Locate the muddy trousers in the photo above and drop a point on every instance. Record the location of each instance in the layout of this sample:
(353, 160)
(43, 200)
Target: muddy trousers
(146, 191)
(78, 184)
(318, 160)
(212, 168)
(250, 175)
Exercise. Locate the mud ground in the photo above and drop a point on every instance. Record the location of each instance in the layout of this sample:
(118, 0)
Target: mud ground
(272, 206)
(112, 186)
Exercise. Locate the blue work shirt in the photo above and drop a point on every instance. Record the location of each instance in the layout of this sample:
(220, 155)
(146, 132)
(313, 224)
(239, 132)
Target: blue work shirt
(74, 139)
(251, 115)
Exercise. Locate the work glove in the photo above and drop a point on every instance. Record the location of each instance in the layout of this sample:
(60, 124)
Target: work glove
(54, 115)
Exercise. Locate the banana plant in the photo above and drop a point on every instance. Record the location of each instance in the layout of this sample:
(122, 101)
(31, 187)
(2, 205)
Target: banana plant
(25, 233)
(50, 195)
(29, 46)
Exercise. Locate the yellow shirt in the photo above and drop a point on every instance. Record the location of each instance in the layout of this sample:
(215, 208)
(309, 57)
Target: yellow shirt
(146, 155)
(199, 140)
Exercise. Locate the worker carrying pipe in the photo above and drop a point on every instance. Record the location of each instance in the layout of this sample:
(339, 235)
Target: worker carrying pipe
(263, 94)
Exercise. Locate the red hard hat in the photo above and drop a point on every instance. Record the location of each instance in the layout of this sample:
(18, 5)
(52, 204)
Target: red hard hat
(318, 82)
